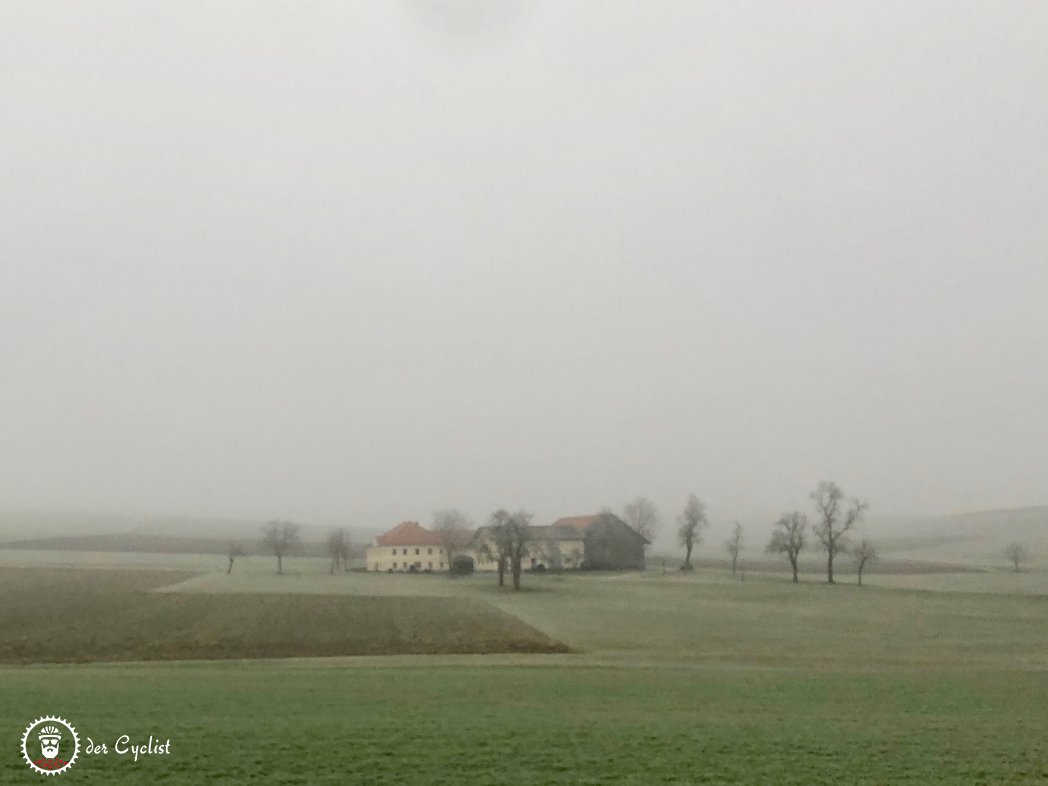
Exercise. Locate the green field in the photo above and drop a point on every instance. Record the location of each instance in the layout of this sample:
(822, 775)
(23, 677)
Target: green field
(672, 679)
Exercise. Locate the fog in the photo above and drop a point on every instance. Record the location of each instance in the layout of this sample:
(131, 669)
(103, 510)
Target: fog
(354, 262)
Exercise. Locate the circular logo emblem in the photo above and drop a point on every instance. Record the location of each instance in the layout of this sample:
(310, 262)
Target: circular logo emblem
(50, 745)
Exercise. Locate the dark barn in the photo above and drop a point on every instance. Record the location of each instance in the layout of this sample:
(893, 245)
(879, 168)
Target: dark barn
(610, 543)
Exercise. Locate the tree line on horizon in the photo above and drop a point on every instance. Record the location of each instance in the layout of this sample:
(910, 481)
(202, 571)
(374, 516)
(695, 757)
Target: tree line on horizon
(836, 515)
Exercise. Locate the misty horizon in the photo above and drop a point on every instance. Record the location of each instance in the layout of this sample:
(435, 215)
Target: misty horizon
(353, 265)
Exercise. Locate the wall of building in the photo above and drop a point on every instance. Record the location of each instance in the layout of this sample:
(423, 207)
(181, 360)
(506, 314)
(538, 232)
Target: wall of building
(607, 545)
(401, 558)
(612, 545)
(571, 554)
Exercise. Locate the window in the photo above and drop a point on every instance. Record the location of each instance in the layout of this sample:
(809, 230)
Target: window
(429, 551)
(416, 551)
(442, 565)
(431, 566)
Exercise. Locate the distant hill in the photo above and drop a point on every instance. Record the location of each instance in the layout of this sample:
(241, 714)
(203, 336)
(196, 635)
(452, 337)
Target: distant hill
(122, 542)
(23, 524)
(132, 542)
(76, 531)
(815, 563)
(969, 538)
(20, 524)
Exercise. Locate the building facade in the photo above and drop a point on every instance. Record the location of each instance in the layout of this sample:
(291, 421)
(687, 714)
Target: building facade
(599, 542)
(406, 548)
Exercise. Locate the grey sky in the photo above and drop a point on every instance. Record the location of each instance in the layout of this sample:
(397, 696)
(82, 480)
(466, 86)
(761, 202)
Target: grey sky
(356, 261)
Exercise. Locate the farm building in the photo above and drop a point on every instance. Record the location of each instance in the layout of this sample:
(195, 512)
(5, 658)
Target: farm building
(406, 547)
(610, 543)
(599, 542)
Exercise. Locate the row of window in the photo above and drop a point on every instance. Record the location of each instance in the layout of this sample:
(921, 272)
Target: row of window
(407, 566)
(417, 551)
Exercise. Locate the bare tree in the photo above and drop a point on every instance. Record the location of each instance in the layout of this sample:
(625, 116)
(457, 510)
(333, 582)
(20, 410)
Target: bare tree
(455, 530)
(690, 524)
(834, 520)
(497, 547)
(519, 534)
(280, 537)
(1017, 554)
(510, 535)
(734, 546)
(232, 552)
(521, 529)
(863, 554)
(789, 538)
(338, 549)
(641, 514)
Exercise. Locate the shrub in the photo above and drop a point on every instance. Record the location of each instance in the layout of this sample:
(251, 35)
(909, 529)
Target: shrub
(461, 565)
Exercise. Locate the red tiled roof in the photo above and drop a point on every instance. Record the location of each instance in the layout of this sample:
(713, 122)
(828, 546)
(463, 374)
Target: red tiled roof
(408, 533)
(556, 532)
(581, 523)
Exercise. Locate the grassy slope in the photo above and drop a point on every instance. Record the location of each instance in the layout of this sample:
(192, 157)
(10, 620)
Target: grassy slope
(970, 538)
(708, 617)
(682, 680)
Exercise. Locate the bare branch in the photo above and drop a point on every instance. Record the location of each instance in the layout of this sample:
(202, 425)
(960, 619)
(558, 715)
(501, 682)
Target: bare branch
(455, 530)
(280, 537)
(641, 514)
(734, 546)
(863, 554)
(830, 528)
(789, 538)
(690, 524)
(338, 548)
(1017, 554)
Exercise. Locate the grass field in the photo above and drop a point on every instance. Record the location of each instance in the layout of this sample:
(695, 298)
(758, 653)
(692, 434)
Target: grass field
(672, 679)
(303, 723)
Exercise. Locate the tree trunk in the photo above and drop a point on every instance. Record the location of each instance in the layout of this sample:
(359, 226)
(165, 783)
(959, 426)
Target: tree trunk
(687, 556)
(860, 575)
(793, 564)
(734, 562)
(230, 568)
(829, 566)
(502, 572)
(516, 574)
(280, 564)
